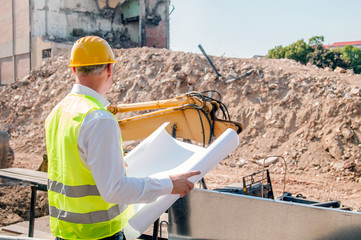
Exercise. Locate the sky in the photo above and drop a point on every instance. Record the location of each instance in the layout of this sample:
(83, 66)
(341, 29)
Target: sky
(239, 28)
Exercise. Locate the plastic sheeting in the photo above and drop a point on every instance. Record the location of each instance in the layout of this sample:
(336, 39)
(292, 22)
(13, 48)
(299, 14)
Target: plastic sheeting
(162, 155)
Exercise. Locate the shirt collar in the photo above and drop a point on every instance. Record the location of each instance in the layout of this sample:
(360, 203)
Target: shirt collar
(83, 90)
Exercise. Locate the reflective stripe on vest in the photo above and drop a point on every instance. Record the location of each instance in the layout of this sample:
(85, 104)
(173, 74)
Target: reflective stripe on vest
(85, 218)
(73, 191)
(77, 211)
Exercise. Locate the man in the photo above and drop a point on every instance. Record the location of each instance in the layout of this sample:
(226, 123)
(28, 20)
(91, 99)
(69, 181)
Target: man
(87, 184)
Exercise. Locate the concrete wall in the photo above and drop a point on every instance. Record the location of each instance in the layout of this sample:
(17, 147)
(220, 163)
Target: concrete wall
(58, 18)
(157, 33)
(14, 40)
(6, 27)
(75, 18)
(6, 70)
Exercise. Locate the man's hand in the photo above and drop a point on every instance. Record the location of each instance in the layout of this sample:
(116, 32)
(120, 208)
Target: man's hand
(181, 185)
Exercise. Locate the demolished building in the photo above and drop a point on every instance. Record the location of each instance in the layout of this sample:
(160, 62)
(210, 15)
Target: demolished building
(34, 30)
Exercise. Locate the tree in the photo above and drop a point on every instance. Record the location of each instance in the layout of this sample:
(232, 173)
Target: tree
(298, 51)
(315, 53)
(353, 56)
(277, 52)
(316, 40)
(322, 57)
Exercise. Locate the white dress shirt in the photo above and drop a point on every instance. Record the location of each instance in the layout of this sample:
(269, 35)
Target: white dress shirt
(99, 145)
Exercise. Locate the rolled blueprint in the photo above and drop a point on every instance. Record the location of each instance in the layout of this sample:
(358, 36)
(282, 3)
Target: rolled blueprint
(162, 155)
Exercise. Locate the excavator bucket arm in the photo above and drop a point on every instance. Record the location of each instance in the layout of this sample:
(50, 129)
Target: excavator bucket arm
(191, 116)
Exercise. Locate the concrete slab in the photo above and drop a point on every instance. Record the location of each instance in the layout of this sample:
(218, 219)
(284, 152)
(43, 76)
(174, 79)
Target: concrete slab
(21, 229)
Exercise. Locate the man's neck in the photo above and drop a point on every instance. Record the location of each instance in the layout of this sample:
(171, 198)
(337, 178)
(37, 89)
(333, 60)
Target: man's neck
(93, 82)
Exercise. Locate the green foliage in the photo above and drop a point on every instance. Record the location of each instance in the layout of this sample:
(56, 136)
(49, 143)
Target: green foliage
(322, 57)
(353, 56)
(316, 40)
(277, 52)
(298, 51)
(314, 53)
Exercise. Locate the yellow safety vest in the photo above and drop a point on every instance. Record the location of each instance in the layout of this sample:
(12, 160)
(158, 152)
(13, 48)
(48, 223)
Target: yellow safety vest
(77, 211)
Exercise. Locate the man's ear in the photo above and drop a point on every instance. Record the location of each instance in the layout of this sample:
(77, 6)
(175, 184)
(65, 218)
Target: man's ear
(74, 70)
(109, 69)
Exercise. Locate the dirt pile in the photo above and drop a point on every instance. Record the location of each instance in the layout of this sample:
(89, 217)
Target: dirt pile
(310, 116)
(15, 202)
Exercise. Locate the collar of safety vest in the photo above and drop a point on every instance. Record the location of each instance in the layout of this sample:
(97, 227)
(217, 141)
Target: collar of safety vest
(83, 90)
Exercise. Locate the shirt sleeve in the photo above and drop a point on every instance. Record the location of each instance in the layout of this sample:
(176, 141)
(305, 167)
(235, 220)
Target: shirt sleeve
(99, 144)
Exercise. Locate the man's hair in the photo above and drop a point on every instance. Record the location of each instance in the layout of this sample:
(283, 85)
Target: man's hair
(93, 69)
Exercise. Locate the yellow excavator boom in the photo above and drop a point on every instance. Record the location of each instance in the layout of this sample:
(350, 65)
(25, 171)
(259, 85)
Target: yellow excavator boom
(191, 116)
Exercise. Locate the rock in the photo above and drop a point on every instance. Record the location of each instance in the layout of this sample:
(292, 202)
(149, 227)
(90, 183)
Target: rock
(346, 156)
(355, 91)
(187, 69)
(146, 57)
(267, 161)
(346, 133)
(355, 125)
(246, 90)
(258, 124)
(241, 163)
(333, 145)
(316, 163)
(150, 71)
(339, 70)
(209, 77)
(350, 71)
(192, 79)
(325, 169)
(349, 165)
(273, 86)
(338, 165)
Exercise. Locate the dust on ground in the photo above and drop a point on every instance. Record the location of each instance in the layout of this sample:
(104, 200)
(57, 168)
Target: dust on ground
(307, 115)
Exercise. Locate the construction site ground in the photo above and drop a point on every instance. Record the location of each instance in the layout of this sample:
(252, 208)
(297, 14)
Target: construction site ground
(308, 116)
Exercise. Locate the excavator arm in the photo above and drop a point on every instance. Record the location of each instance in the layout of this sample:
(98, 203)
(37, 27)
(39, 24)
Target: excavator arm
(191, 116)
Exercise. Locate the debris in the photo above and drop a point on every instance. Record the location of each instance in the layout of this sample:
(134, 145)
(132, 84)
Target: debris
(209, 60)
(339, 70)
(301, 119)
(266, 162)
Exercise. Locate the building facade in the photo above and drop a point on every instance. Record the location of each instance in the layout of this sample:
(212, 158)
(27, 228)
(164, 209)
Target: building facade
(33, 30)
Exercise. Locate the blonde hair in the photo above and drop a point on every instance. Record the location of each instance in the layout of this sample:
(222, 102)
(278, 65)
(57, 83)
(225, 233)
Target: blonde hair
(92, 69)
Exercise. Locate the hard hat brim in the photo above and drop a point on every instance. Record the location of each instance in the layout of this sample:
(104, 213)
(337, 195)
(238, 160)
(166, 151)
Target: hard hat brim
(89, 64)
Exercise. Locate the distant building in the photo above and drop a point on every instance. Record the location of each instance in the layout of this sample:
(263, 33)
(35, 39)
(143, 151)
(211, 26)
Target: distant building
(342, 44)
(259, 56)
(34, 30)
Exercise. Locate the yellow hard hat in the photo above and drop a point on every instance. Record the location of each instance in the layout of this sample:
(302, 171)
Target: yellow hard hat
(91, 50)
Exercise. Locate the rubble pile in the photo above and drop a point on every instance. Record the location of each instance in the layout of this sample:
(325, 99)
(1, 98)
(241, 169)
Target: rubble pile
(309, 116)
